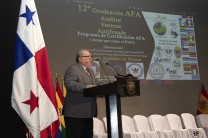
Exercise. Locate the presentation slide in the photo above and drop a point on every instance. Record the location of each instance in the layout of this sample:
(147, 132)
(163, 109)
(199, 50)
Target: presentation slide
(127, 39)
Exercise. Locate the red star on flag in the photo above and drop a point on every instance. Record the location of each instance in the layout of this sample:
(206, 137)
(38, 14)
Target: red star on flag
(33, 102)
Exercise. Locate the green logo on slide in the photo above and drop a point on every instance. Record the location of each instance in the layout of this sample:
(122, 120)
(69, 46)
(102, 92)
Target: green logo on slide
(159, 28)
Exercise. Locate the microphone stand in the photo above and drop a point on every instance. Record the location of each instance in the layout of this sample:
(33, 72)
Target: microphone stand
(104, 70)
(118, 75)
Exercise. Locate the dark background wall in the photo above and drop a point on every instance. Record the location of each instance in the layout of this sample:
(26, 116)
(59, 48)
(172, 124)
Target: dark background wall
(13, 125)
(181, 96)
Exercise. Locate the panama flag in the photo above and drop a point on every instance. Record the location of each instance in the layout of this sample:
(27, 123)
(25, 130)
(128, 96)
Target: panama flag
(33, 94)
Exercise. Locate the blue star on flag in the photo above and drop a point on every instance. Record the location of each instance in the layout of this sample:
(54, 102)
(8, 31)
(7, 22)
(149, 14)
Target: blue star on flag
(28, 15)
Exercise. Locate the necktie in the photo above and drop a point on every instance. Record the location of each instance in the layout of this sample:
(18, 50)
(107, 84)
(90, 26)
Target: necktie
(88, 72)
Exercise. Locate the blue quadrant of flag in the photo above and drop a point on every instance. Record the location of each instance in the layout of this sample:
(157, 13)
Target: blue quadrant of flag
(22, 53)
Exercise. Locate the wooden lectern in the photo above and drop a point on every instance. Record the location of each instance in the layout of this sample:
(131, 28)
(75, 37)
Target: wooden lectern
(123, 86)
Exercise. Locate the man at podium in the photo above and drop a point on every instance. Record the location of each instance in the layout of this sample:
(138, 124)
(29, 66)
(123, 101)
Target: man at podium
(79, 110)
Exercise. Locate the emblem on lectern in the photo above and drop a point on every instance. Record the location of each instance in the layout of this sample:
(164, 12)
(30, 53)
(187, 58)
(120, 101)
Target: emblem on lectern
(130, 87)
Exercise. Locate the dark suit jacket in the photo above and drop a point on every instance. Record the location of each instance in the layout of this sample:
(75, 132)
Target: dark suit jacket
(75, 104)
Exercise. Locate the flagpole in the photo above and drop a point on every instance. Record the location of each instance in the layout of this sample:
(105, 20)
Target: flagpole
(63, 88)
(56, 78)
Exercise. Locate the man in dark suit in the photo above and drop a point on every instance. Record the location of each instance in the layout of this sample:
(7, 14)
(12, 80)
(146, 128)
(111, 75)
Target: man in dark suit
(79, 110)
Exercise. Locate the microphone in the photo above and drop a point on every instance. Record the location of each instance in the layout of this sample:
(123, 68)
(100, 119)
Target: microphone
(104, 70)
(113, 68)
(118, 74)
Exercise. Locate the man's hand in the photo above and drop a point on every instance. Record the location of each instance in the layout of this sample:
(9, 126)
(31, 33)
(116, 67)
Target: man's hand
(89, 86)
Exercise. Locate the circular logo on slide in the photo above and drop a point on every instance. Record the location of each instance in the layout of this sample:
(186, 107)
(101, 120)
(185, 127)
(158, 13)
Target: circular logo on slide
(177, 52)
(156, 71)
(135, 69)
(177, 63)
(158, 51)
(159, 28)
(168, 51)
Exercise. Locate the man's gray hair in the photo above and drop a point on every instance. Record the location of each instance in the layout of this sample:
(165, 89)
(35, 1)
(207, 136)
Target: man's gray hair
(79, 53)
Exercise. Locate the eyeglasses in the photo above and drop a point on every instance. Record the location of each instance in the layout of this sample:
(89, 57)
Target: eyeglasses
(89, 56)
